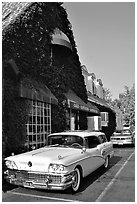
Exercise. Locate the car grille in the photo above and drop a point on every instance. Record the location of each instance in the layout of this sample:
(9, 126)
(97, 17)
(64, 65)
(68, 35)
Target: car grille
(119, 138)
(31, 176)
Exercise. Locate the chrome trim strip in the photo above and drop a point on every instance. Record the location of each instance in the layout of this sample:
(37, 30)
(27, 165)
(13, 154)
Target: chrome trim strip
(84, 159)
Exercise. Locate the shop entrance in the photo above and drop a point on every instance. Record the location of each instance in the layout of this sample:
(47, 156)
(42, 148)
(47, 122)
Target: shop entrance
(74, 120)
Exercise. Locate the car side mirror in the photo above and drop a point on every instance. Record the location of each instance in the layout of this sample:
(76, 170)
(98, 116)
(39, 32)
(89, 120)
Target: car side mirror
(83, 150)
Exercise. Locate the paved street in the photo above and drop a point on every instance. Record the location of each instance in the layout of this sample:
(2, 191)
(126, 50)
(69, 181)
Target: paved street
(117, 184)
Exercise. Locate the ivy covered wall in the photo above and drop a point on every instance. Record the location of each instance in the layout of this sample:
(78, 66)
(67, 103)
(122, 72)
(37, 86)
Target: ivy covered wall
(14, 118)
(28, 42)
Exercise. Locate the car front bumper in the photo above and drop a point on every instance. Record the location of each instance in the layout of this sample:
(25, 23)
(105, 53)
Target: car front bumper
(38, 180)
(122, 142)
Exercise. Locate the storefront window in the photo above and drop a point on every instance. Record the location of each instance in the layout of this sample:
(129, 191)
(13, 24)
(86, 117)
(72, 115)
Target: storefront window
(39, 124)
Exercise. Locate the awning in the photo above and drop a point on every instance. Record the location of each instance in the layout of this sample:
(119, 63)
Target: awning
(93, 108)
(34, 90)
(74, 102)
(60, 38)
(99, 101)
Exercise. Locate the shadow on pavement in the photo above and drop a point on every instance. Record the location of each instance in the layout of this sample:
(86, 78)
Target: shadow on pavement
(91, 178)
(7, 186)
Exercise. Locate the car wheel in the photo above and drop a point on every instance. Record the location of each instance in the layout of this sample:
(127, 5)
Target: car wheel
(76, 180)
(106, 162)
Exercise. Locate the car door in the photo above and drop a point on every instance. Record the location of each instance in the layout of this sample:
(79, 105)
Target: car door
(93, 154)
(107, 147)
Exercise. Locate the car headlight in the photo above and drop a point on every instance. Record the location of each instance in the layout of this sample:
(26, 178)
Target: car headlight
(56, 168)
(10, 164)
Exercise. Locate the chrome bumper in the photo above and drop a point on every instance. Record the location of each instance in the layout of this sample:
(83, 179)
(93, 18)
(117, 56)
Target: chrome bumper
(48, 183)
(122, 142)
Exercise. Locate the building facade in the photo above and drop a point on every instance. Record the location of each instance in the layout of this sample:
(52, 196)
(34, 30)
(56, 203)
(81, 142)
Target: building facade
(93, 85)
(107, 119)
(43, 85)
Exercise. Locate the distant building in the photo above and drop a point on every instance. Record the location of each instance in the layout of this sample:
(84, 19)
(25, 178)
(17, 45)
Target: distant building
(107, 119)
(93, 85)
(99, 88)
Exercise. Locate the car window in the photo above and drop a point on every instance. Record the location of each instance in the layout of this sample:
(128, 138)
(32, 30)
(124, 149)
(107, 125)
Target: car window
(67, 140)
(92, 141)
(116, 133)
(126, 132)
(103, 138)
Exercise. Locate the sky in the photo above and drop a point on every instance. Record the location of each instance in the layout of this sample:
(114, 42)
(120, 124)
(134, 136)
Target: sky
(104, 33)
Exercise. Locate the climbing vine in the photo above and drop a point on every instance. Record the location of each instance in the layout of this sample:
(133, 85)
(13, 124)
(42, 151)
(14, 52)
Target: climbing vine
(28, 43)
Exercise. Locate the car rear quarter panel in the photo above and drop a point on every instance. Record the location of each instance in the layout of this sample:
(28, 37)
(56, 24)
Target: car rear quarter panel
(89, 161)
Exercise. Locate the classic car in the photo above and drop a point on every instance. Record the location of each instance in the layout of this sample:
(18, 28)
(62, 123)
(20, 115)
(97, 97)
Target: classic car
(123, 137)
(62, 163)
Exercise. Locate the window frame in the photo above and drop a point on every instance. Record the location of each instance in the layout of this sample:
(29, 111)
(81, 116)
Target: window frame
(87, 141)
(103, 138)
(39, 124)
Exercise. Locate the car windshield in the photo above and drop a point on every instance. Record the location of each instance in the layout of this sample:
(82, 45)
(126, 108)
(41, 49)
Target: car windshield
(117, 133)
(122, 133)
(126, 132)
(65, 141)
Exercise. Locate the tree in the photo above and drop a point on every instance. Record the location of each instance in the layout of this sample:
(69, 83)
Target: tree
(127, 101)
(107, 96)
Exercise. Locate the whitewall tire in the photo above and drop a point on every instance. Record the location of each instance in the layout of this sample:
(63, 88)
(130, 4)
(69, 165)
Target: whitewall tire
(76, 180)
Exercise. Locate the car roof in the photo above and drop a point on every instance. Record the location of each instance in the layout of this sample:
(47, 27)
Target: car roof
(79, 133)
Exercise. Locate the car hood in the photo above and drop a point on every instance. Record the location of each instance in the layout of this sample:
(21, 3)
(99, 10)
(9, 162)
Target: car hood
(39, 160)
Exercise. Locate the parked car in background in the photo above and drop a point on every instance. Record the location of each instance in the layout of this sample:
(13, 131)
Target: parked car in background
(123, 137)
(67, 158)
(133, 133)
